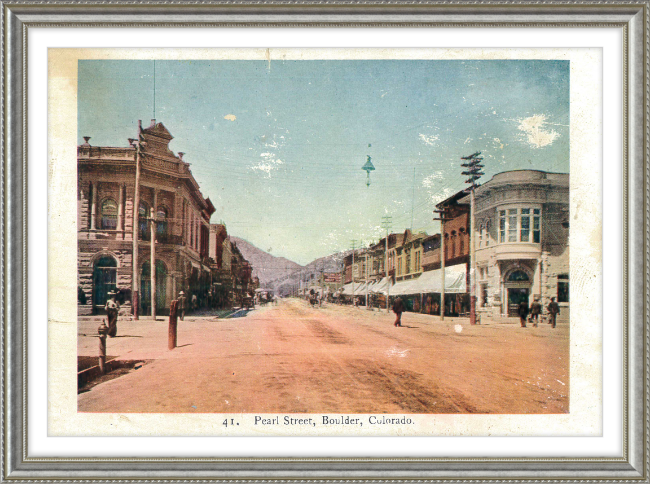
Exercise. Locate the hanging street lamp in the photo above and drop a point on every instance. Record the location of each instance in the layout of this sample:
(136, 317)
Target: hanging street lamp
(368, 167)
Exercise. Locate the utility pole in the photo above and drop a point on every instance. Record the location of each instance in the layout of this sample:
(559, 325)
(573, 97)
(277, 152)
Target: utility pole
(443, 218)
(473, 172)
(135, 276)
(153, 264)
(387, 222)
(413, 199)
(367, 279)
(353, 246)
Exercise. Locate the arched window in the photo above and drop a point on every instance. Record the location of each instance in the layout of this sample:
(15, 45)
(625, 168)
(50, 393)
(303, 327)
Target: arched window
(453, 244)
(481, 231)
(461, 243)
(446, 246)
(104, 279)
(143, 215)
(109, 214)
(161, 225)
(518, 276)
(487, 233)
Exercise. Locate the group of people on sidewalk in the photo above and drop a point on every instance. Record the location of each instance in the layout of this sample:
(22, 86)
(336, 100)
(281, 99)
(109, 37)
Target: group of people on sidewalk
(534, 311)
(532, 314)
(112, 308)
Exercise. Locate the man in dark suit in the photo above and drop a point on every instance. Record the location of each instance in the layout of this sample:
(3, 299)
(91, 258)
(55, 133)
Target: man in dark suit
(398, 309)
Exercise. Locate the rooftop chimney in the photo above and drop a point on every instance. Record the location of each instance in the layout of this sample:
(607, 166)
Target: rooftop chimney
(153, 123)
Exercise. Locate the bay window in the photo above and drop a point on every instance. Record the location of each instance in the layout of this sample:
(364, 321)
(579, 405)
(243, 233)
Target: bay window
(520, 225)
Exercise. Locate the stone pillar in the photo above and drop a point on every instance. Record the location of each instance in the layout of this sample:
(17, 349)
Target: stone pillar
(120, 211)
(93, 207)
(198, 235)
(536, 290)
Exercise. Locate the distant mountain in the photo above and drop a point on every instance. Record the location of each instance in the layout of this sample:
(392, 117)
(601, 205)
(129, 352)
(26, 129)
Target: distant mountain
(265, 266)
(311, 272)
(283, 275)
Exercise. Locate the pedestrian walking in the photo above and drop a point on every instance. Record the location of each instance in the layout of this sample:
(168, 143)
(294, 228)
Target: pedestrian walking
(398, 309)
(553, 311)
(195, 302)
(112, 310)
(535, 311)
(523, 312)
(181, 305)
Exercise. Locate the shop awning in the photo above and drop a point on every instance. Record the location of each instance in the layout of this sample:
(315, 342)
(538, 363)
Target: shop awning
(430, 281)
(359, 288)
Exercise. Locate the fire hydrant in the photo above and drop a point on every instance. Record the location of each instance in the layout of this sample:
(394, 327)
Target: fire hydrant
(103, 331)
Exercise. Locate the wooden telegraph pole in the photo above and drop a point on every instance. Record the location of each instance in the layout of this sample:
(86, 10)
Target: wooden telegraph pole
(386, 222)
(353, 246)
(442, 218)
(473, 171)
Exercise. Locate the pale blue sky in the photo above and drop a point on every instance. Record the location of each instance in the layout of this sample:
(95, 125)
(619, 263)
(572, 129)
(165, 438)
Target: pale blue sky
(279, 148)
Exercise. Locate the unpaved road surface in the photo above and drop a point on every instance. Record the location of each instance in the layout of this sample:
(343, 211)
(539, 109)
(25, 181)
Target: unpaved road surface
(292, 358)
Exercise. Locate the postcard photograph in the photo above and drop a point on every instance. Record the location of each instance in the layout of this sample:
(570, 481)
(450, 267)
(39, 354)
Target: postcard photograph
(347, 243)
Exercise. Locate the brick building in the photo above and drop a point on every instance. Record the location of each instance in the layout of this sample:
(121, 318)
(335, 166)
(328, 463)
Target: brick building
(105, 224)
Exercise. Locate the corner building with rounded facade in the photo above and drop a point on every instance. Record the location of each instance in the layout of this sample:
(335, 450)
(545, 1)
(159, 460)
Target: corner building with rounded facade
(105, 198)
(521, 241)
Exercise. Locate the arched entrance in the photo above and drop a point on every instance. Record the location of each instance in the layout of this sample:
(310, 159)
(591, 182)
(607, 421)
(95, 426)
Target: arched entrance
(517, 286)
(145, 287)
(104, 280)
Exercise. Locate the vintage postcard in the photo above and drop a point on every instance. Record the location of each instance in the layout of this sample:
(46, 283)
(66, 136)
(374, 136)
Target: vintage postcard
(295, 242)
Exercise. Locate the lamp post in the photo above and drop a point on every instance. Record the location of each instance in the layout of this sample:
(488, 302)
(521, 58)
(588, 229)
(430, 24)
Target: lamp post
(135, 276)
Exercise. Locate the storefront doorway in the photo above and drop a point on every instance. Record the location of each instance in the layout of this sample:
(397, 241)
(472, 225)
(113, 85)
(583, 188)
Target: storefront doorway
(515, 296)
(104, 281)
(517, 286)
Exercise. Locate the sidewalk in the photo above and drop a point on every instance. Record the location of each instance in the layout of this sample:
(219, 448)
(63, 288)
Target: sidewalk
(146, 339)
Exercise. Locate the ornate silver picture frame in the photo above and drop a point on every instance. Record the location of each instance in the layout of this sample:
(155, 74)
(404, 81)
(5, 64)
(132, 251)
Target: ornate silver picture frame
(631, 19)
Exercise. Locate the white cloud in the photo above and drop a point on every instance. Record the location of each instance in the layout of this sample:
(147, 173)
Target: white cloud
(230, 117)
(429, 139)
(268, 163)
(535, 131)
(430, 180)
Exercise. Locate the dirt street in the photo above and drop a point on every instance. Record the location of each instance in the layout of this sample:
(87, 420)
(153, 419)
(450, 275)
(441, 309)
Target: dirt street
(293, 358)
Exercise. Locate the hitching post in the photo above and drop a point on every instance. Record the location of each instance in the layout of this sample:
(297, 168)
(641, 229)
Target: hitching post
(172, 337)
(103, 331)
